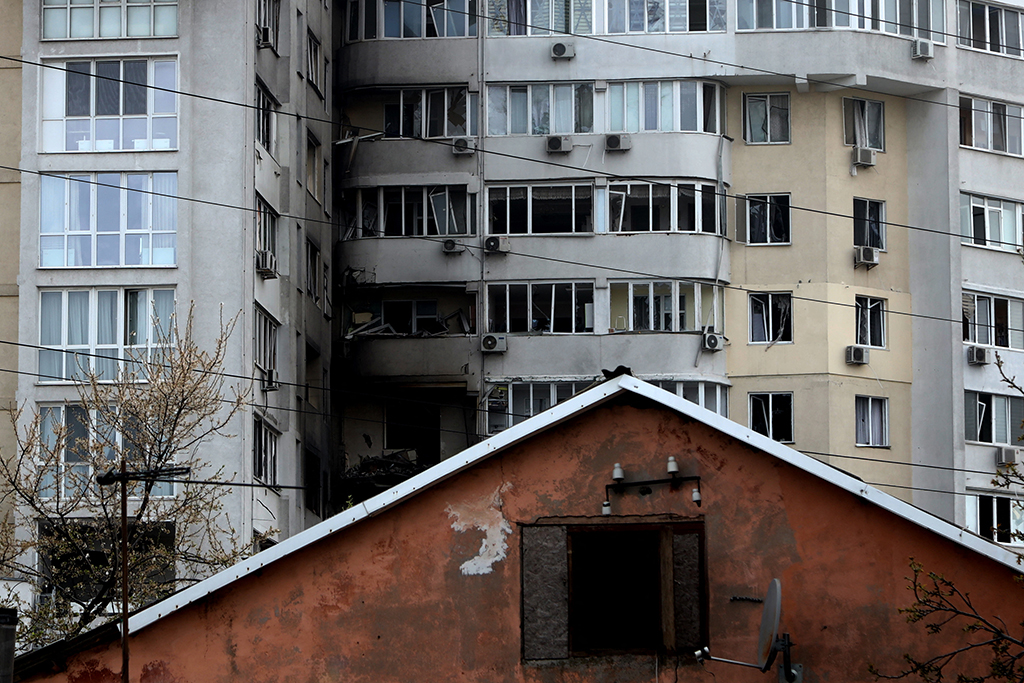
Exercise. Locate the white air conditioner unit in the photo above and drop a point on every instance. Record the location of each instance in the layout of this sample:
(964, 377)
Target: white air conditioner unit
(979, 355)
(862, 156)
(865, 256)
(559, 144)
(266, 264)
(562, 51)
(922, 49)
(1008, 455)
(493, 343)
(451, 246)
(857, 355)
(270, 380)
(713, 342)
(497, 244)
(617, 142)
(463, 145)
(263, 37)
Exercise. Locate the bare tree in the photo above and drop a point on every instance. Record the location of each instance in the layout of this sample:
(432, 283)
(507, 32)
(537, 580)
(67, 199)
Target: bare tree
(168, 405)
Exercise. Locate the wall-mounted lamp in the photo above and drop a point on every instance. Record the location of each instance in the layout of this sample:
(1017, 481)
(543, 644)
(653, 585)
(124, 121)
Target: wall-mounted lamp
(696, 495)
(673, 467)
(606, 508)
(644, 487)
(617, 474)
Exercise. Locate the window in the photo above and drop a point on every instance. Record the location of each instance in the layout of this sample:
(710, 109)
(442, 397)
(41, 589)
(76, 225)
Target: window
(636, 106)
(566, 612)
(510, 404)
(993, 126)
(767, 219)
(314, 63)
(111, 19)
(313, 265)
(541, 109)
(645, 207)
(993, 320)
(772, 415)
(999, 518)
(766, 118)
(560, 307)
(108, 219)
(872, 421)
(110, 325)
(264, 451)
(990, 222)
(714, 397)
(639, 16)
(411, 317)
(540, 210)
(413, 211)
(87, 107)
(991, 418)
(268, 16)
(409, 19)
(266, 227)
(450, 112)
(864, 123)
(771, 317)
(266, 129)
(560, 17)
(989, 27)
(870, 321)
(668, 306)
(265, 357)
(869, 223)
(919, 18)
(506, 17)
(314, 162)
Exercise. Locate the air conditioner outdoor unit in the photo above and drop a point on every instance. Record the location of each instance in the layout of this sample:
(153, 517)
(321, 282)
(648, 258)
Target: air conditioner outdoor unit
(1008, 455)
(862, 156)
(264, 36)
(270, 381)
(496, 244)
(617, 142)
(979, 355)
(865, 256)
(451, 246)
(713, 342)
(922, 49)
(559, 144)
(266, 264)
(493, 343)
(563, 51)
(463, 145)
(857, 355)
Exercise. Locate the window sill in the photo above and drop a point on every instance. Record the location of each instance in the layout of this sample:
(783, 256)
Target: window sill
(991, 151)
(767, 244)
(95, 38)
(158, 267)
(108, 151)
(767, 144)
(764, 343)
(981, 50)
(868, 445)
(997, 250)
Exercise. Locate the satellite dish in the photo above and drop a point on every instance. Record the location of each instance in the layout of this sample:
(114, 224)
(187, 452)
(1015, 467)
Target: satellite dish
(766, 650)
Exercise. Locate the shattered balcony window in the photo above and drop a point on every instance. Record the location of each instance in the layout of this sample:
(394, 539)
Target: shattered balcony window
(561, 307)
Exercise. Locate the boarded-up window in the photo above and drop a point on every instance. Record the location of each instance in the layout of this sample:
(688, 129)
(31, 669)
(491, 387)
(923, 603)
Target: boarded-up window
(608, 589)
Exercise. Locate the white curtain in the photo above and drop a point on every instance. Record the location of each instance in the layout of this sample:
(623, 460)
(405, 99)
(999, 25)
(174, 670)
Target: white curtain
(165, 208)
(497, 110)
(163, 311)
(78, 318)
(562, 120)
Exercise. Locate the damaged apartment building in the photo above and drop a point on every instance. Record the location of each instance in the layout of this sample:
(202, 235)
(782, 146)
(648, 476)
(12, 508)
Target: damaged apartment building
(803, 217)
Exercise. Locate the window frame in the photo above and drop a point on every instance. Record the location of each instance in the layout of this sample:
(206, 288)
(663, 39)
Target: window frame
(968, 36)
(576, 219)
(769, 319)
(314, 163)
(773, 205)
(770, 416)
(266, 118)
(695, 290)
(1003, 522)
(266, 220)
(578, 290)
(265, 441)
(424, 20)
(767, 99)
(369, 216)
(862, 234)
(863, 109)
(268, 15)
(858, 17)
(864, 412)
(418, 113)
(123, 11)
(705, 199)
(315, 65)
(872, 311)
(995, 416)
(265, 338)
(998, 122)
(708, 395)
(712, 21)
(979, 226)
(538, 94)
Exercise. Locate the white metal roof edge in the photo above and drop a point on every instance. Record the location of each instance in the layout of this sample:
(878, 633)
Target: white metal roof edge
(549, 418)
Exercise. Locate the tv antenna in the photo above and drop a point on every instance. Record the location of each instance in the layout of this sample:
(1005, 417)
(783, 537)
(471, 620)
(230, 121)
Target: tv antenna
(769, 642)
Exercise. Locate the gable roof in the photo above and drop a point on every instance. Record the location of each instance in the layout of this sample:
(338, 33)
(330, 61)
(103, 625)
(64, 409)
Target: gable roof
(580, 403)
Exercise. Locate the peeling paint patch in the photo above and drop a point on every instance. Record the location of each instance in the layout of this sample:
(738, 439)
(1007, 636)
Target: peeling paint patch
(484, 514)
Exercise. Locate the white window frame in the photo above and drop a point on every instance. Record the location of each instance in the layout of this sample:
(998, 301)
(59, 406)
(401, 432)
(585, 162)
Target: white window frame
(436, 19)
(997, 414)
(264, 451)
(859, 112)
(772, 102)
(671, 19)
(552, 111)
(422, 102)
(1012, 520)
(769, 418)
(266, 226)
(266, 119)
(868, 411)
(107, 19)
(314, 164)
(494, 193)
(59, 128)
(626, 97)
(416, 315)
(863, 225)
(314, 63)
(871, 313)
(268, 15)
(980, 38)
(702, 196)
(534, 397)
(709, 395)
(314, 264)
(993, 320)
(578, 294)
(992, 125)
(859, 15)
(991, 222)
(707, 315)
(780, 203)
(65, 242)
(767, 300)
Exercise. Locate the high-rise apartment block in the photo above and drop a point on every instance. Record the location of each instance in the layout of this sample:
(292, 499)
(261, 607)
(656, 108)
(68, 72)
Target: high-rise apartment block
(805, 216)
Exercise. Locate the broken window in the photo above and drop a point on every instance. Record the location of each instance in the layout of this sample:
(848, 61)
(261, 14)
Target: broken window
(771, 414)
(767, 219)
(668, 306)
(652, 16)
(771, 318)
(433, 113)
(411, 317)
(264, 451)
(561, 307)
(640, 207)
(510, 404)
(714, 397)
(998, 518)
(414, 211)
(869, 223)
(413, 423)
(540, 209)
(506, 17)
(990, 222)
(993, 320)
(870, 321)
(265, 356)
(566, 574)
(991, 418)
(766, 118)
(407, 19)
(559, 108)
(864, 123)
(872, 421)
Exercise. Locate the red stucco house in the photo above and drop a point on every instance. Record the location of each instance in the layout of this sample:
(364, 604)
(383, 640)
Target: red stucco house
(500, 564)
